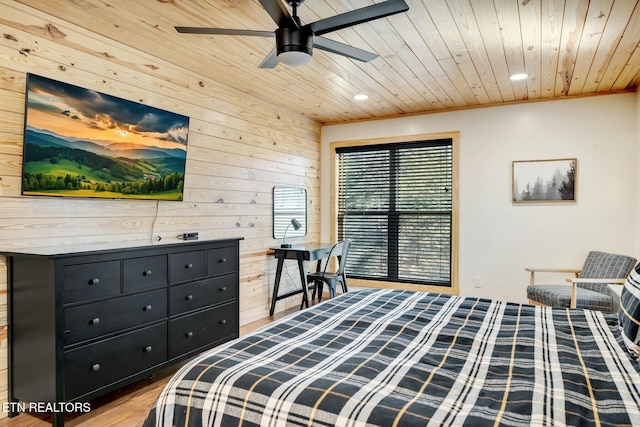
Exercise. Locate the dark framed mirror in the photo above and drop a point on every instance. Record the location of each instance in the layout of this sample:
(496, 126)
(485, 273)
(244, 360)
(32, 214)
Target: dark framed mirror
(289, 203)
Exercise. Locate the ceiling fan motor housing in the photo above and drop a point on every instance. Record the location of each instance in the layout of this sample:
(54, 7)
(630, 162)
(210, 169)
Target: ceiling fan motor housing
(294, 40)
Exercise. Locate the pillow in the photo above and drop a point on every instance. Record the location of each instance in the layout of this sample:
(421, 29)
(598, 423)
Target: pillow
(629, 314)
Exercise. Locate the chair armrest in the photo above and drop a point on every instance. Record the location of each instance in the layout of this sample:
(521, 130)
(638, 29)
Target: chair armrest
(553, 270)
(574, 284)
(603, 280)
(533, 271)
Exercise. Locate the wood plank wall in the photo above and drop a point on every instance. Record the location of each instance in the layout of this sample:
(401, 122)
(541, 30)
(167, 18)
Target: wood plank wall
(239, 149)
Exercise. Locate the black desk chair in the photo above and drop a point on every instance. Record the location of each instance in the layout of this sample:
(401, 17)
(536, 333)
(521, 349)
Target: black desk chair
(316, 280)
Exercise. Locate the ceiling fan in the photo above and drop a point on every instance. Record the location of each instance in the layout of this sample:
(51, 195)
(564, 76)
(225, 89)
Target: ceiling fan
(295, 42)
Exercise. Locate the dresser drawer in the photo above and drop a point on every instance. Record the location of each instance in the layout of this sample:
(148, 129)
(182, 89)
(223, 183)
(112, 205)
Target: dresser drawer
(145, 273)
(92, 367)
(99, 318)
(194, 295)
(93, 280)
(186, 266)
(202, 329)
(221, 260)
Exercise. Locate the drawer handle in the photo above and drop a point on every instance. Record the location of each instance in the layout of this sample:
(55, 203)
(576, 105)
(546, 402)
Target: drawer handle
(223, 322)
(189, 297)
(189, 334)
(95, 367)
(146, 307)
(146, 273)
(223, 289)
(223, 260)
(188, 266)
(94, 321)
(148, 349)
(94, 281)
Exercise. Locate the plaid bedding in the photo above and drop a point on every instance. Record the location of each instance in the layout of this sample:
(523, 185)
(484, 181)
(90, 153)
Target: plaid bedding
(401, 358)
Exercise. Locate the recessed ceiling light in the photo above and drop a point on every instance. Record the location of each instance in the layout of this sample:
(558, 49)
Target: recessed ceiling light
(360, 97)
(520, 76)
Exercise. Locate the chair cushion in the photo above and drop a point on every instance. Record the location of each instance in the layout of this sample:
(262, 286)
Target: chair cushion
(560, 296)
(629, 315)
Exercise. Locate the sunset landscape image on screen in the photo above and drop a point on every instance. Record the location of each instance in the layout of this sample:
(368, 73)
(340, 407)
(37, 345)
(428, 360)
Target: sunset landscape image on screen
(83, 143)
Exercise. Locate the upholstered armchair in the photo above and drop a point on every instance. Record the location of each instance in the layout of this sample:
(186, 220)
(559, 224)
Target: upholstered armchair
(590, 286)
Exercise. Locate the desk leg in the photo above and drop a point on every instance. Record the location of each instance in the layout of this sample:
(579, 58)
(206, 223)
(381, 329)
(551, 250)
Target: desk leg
(303, 279)
(276, 285)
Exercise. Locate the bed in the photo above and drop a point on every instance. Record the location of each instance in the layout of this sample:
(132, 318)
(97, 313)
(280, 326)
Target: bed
(391, 357)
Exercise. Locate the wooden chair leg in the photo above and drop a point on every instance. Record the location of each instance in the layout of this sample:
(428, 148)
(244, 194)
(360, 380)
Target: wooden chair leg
(532, 302)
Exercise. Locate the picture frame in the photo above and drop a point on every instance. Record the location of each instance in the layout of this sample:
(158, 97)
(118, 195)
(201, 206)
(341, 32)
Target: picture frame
(82, 143)
(538, 181)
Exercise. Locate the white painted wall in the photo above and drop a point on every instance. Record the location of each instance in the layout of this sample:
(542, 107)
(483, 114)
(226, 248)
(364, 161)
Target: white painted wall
(499, 239)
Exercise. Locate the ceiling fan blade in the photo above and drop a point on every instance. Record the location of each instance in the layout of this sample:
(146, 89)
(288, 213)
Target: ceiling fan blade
(224, 31)
(358, 16)
(333, 46)
(270, 61)
(279, 13)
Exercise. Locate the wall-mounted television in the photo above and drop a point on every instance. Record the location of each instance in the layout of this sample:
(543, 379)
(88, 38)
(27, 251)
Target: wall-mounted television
(83, 143)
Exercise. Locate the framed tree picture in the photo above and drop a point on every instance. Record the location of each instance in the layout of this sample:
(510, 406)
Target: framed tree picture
(544, 180)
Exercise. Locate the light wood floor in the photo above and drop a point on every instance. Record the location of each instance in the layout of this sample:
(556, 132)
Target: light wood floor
(126, 407)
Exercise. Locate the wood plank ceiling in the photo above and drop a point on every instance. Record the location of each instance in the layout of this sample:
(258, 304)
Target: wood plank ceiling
(440, 55)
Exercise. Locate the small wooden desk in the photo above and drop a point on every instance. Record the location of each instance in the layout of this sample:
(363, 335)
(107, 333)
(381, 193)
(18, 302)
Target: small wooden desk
(303, 252)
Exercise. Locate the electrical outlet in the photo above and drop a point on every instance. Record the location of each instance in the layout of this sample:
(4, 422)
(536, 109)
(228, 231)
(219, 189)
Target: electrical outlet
(477, 282)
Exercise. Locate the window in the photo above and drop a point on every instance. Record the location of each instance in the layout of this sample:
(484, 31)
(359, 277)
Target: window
(395, 201)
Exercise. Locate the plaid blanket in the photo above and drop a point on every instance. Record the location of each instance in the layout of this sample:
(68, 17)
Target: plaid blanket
(400, 358)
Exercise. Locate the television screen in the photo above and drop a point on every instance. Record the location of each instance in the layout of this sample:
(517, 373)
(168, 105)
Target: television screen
(83, 143)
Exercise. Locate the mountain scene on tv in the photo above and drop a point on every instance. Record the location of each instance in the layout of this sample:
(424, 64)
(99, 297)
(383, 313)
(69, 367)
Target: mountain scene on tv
(83, 143)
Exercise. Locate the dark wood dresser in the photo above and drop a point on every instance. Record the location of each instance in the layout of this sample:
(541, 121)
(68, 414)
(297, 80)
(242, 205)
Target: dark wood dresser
(85, 322)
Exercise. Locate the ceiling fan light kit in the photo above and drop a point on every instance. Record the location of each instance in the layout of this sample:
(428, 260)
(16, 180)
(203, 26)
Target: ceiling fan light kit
(294, 47)
(294, 58)
(295, 42)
